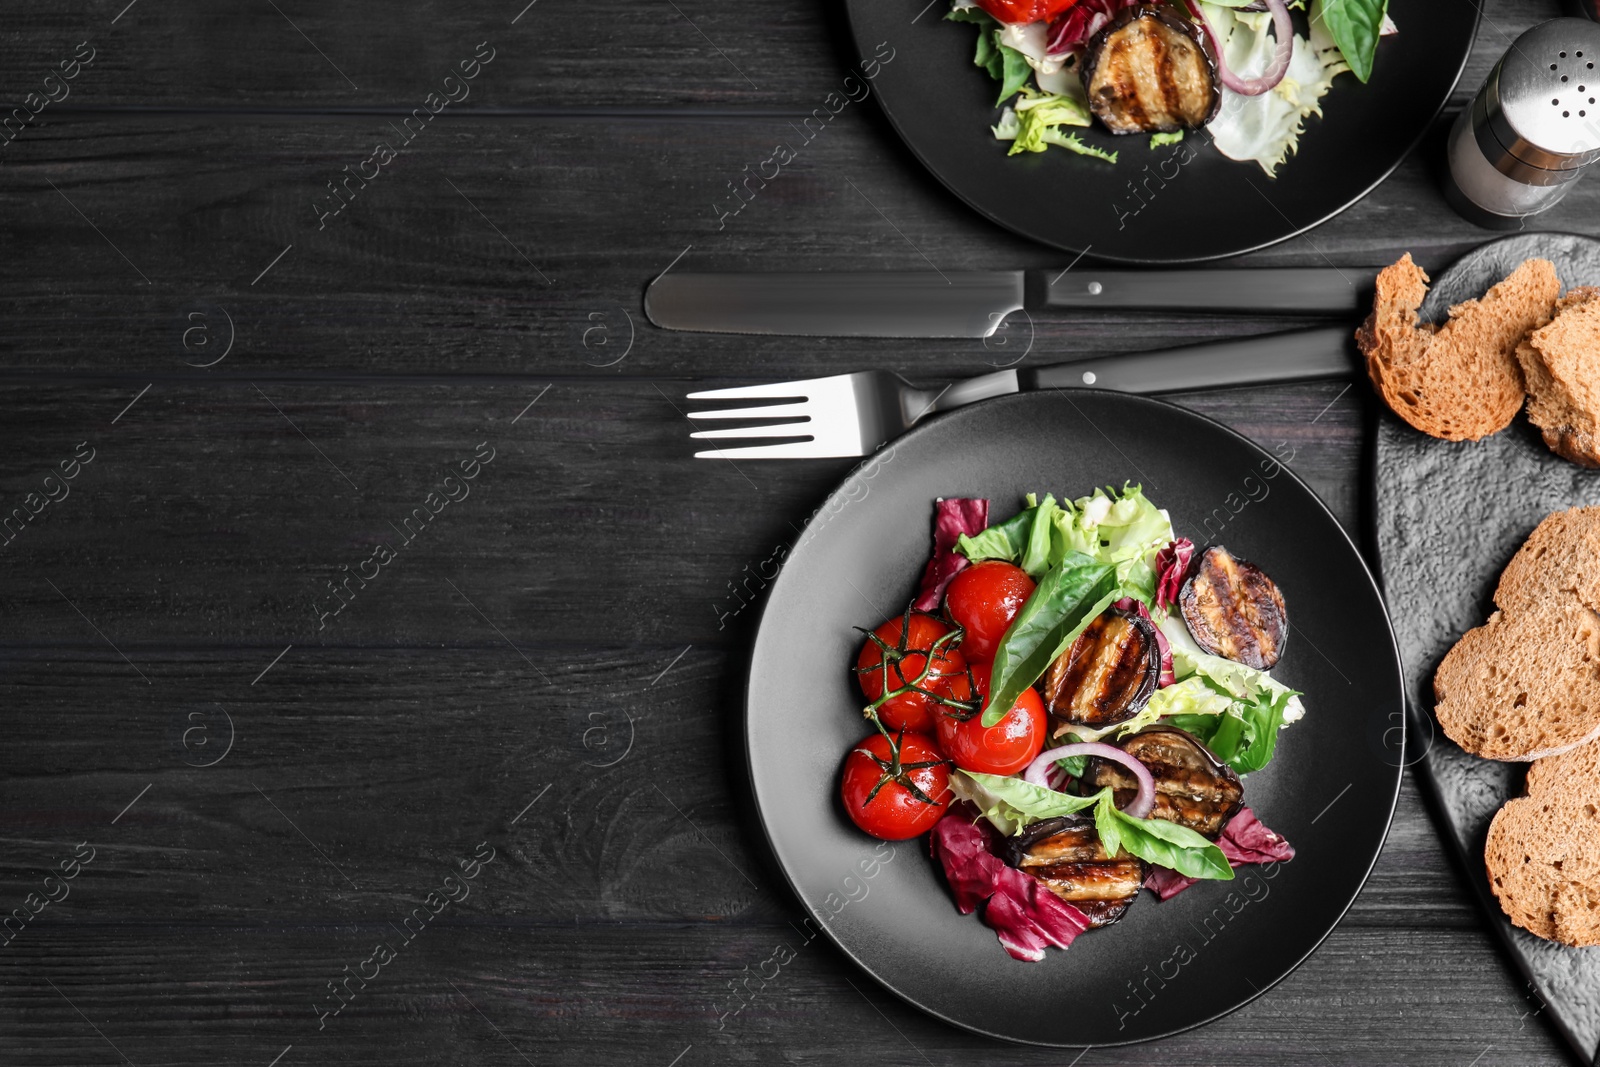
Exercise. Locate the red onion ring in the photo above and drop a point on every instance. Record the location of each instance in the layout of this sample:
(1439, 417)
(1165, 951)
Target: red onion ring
(1038, 772)
(1283, 31)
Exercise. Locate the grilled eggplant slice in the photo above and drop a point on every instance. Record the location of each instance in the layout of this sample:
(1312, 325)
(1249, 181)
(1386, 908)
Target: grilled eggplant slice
(1233, 609)
(1193, 787)
(1148, 71)
(1065, 854)
(1108, 674)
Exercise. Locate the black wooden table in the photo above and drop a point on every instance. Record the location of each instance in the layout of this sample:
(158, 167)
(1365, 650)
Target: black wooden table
(504, 749)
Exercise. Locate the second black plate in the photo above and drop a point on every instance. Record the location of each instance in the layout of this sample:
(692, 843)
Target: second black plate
(1174, 204)
(1167, 966)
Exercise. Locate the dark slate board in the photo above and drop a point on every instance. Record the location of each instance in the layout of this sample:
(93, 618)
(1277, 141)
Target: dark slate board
(1449, 517)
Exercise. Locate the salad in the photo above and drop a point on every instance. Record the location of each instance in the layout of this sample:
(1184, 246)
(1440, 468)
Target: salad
(1066, 710)
(1236, 68)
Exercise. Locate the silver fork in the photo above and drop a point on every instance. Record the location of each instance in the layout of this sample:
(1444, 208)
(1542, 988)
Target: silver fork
(854, 414)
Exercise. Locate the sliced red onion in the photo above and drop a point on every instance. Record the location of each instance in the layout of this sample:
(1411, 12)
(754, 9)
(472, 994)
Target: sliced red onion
(1283, 32)
(1038, 771)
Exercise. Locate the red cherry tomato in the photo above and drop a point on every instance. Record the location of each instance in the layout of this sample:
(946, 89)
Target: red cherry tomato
(1004, 748)
(908, 658)
(984, 598)
(882, 778)
(1025, 10)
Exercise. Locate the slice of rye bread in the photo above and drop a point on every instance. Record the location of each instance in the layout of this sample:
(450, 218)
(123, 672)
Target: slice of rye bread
(1543, 861)
(1575, 771)
(1562, 553)
(1460, 381)
(1560, 362)
(1524, 685)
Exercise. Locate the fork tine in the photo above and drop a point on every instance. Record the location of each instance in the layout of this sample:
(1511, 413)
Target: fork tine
(782, 429)
(793, 450)
(802, 388)
(771, 411)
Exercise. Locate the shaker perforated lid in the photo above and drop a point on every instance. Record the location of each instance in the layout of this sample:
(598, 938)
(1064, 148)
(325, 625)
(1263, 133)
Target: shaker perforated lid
(1539, 103)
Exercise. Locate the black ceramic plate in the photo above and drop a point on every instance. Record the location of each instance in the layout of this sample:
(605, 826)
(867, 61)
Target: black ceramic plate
(1165, 205)
(1439, 573)
(1167, 966)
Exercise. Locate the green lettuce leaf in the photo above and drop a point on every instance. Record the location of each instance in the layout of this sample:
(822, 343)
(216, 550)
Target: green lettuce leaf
(1245, 736)
(1125, 530)
(1010, 803)
(1067, 598)
(1006, 540)
(1191, 696)
(1036, 121)
(1225, 675)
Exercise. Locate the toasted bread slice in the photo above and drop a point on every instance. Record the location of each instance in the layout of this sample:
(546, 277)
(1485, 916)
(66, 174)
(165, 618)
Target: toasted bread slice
(1543, 859)
(1524, 685)
(1460, 381)
(1560, 362)
(1562, 554)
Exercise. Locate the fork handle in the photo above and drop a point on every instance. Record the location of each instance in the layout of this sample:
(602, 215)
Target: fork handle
(1280, 357)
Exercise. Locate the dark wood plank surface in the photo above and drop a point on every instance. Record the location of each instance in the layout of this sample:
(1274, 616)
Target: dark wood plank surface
(569, 635)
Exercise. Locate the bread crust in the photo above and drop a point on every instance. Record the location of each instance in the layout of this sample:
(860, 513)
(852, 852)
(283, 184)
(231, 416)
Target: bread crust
(1461, 381)
(1561, 369)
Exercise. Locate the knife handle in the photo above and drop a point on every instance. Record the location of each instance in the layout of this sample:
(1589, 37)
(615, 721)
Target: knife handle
(1279, 357)
(1253, 289)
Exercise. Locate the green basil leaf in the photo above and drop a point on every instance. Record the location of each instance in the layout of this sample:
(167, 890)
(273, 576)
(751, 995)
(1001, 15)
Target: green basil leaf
(1066, 599)
(1160, 842)
(988, 55)
(1014, 69)
(1355, 26)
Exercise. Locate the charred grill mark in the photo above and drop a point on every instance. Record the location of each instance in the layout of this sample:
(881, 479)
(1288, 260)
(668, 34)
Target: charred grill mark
(1065, 854)
(1107, 675)
(1162, 66)
(1139, 73)
(1193, 788)
(1127, 87)
(1147, 70)
(1233, 609)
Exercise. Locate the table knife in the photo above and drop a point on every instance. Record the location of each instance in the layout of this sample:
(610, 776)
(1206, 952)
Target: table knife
(974, 303)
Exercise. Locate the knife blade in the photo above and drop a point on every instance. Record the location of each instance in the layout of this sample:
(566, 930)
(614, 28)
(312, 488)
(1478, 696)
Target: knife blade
(974, 303)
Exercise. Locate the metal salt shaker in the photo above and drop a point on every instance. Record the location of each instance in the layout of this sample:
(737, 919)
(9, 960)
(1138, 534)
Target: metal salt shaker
(1531, 129)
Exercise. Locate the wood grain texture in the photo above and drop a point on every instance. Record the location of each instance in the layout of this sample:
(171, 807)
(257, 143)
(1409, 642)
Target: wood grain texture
(592, 524)
(572, 634)
(522, 246)
(635, 53)
(510, 993)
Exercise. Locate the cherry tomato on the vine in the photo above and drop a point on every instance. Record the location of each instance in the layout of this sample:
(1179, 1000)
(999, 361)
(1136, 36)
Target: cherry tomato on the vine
(1004, 748)
(984, 598)
(883, 778)
(907, 656)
